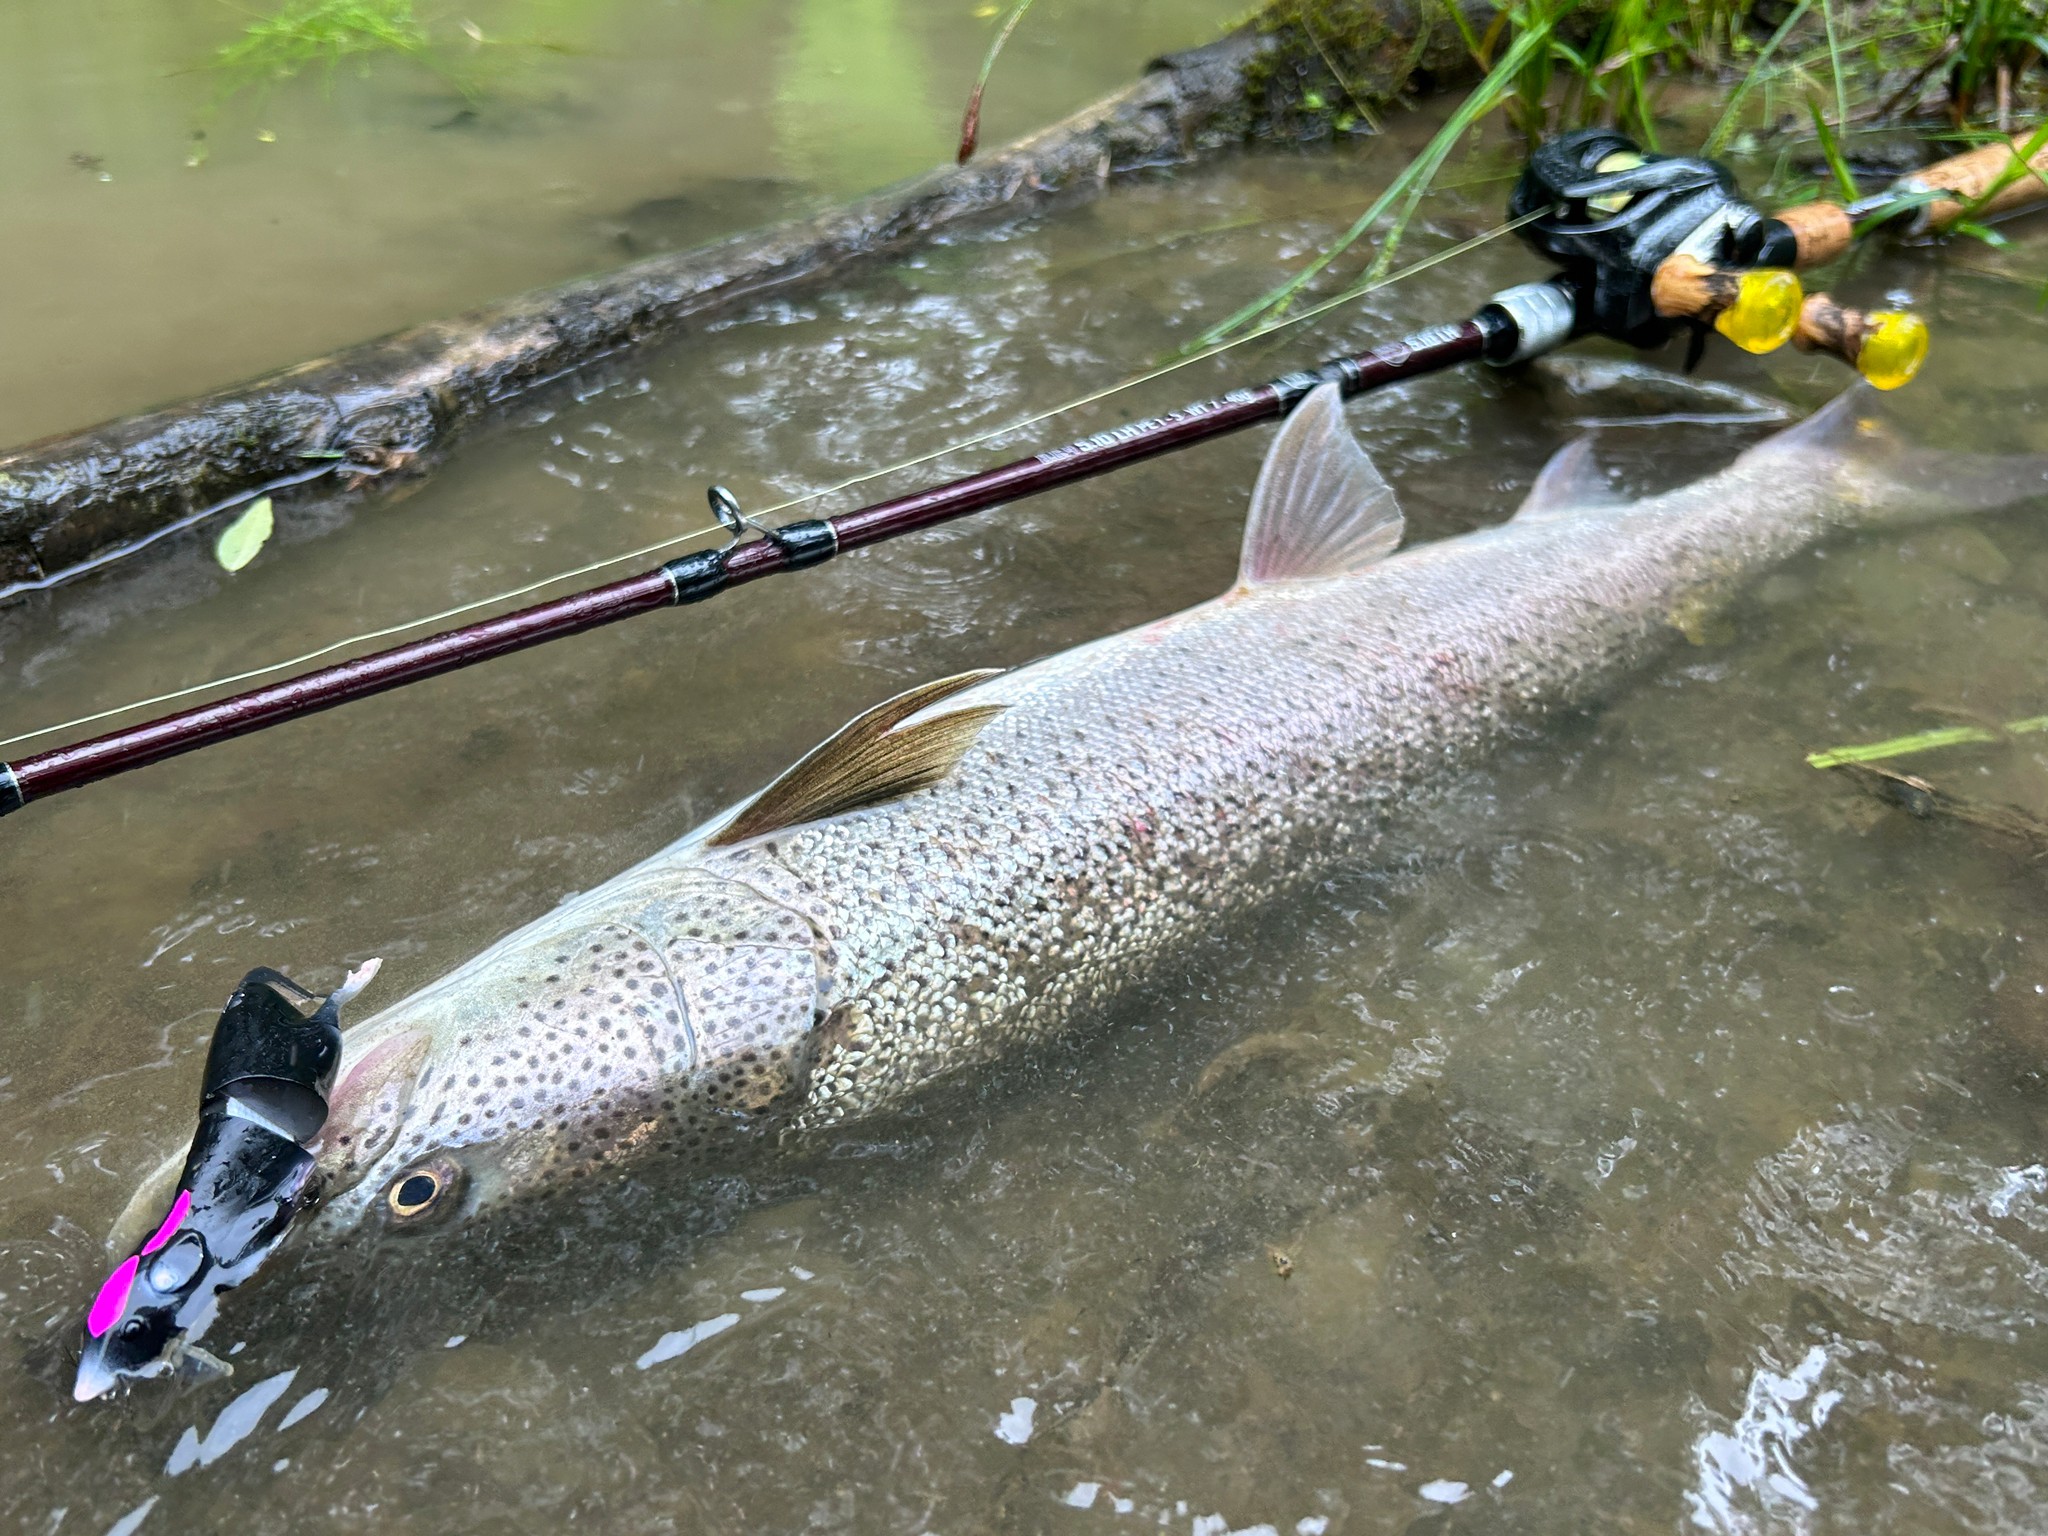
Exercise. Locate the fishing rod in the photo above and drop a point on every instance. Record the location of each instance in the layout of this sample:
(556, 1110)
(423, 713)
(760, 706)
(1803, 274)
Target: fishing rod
(1646, 246)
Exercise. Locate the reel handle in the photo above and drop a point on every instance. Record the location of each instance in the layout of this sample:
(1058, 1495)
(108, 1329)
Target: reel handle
(1757, 308)
(1886, 346)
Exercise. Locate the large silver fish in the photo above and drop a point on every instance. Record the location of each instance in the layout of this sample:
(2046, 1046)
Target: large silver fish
(989, 860)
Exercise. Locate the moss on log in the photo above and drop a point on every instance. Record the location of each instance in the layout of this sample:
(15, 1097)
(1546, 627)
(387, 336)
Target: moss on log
(387, 407)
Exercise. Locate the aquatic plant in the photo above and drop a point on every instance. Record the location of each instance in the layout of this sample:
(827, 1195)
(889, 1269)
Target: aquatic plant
(1606, 64)
(970, 122)
(1992, 42)
(1406, 189)
(320, 32)
(321, 35)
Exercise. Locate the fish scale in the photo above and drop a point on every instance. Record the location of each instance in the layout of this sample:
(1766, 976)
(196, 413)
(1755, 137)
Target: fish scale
(1130, 797)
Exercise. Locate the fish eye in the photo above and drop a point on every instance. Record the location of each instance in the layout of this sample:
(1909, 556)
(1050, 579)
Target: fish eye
(423, 1193)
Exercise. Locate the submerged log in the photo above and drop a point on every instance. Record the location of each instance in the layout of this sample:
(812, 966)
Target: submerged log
(390, 405)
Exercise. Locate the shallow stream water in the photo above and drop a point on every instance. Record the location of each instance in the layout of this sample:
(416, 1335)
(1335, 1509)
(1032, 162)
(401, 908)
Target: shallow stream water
(1653, 1141)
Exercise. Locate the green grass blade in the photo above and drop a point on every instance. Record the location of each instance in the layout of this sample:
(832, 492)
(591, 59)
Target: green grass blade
(1827, 16)
(1901, 746)
(1924, 741)
(1730, 115)
(1407, 188)
(970, 122)
(1831, 147)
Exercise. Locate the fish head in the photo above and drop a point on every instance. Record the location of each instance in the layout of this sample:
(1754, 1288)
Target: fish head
(675, 1019)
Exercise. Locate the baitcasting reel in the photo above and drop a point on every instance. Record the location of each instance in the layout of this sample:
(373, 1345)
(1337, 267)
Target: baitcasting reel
(1653, 245)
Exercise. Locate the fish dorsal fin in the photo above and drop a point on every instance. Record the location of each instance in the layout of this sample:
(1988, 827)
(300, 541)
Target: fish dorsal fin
(1320, 507)
(868, 761)
(1571, 479)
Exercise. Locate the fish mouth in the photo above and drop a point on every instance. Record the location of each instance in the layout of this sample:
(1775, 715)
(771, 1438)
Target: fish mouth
(246, 1180)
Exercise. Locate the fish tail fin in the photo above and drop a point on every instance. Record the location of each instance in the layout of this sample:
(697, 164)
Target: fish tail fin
(1885, 479)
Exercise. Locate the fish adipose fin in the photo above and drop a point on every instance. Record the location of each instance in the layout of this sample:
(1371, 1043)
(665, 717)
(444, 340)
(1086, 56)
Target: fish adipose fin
(1572, 479)
(1320, 508)
(868, 761)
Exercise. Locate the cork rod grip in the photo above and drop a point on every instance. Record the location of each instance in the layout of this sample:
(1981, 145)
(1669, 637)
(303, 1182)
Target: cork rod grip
(1823, 231)
(1970, 176)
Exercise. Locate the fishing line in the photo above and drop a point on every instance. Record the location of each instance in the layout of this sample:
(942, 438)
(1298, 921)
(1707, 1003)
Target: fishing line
(461, 610)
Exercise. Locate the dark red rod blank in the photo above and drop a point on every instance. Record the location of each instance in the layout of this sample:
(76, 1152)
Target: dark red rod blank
(695, 577)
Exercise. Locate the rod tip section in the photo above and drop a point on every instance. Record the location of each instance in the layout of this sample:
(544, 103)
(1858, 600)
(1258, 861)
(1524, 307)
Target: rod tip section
(11, 797)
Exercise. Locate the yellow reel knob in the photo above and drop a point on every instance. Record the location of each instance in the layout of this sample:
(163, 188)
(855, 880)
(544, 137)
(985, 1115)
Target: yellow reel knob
(1765, 312)
(1893, 348)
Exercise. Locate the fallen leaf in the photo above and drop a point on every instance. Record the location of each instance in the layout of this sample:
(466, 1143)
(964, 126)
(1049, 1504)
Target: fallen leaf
(245, 536)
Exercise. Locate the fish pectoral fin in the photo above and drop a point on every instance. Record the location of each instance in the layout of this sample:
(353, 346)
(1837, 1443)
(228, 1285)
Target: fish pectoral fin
(871, 759)
(1320, 507)
(1572, 479)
